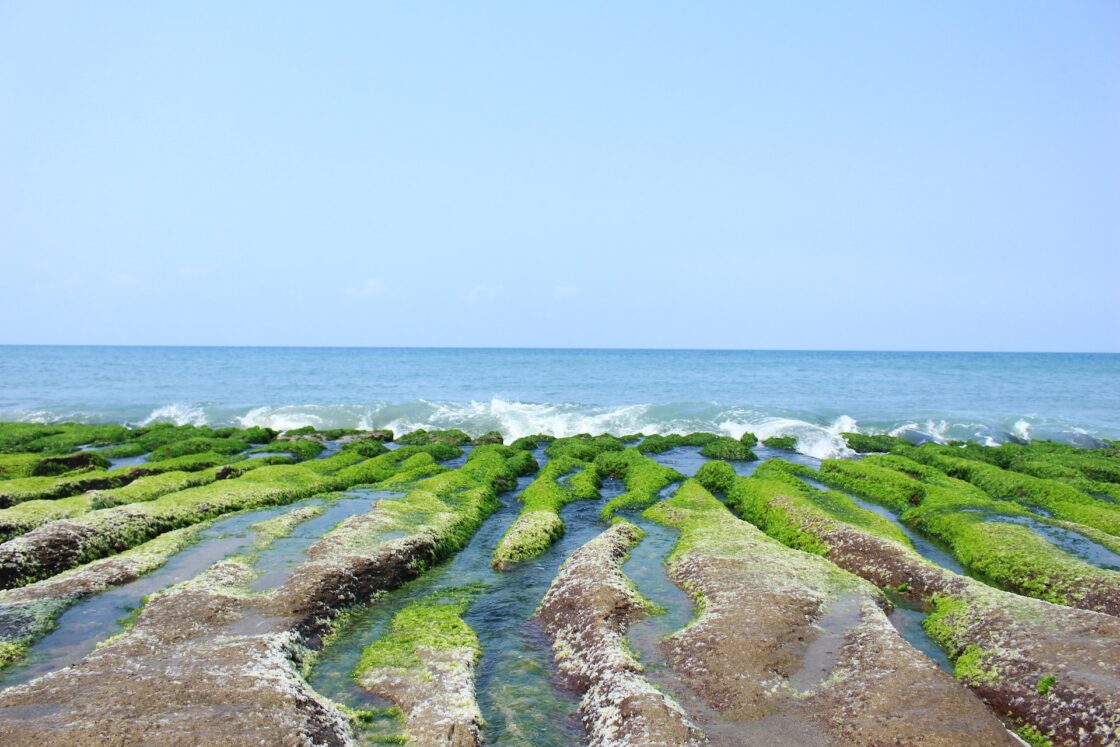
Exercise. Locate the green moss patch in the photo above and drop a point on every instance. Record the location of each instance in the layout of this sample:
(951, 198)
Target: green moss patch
(788, 443)
(727, 449)
(657, 443)
(433, 623)
(644, 479)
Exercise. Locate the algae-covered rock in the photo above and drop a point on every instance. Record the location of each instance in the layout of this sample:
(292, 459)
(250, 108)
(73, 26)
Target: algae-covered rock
(784, 637)
(587, 610)
(727, 449)
(425, 665)
(863, 443)
(787, 443)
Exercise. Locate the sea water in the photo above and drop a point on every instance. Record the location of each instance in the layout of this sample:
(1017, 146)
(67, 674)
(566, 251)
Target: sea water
(985, 397)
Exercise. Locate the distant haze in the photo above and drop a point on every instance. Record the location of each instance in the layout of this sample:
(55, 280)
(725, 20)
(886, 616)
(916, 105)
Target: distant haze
(892, 176)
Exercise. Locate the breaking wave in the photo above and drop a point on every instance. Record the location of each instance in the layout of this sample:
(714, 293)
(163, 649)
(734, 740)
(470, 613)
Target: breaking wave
(818, 435)
(177, 413)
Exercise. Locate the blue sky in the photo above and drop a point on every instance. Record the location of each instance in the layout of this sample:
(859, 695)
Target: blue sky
(874, 175)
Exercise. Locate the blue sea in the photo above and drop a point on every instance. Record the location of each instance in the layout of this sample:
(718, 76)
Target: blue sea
(986, 397)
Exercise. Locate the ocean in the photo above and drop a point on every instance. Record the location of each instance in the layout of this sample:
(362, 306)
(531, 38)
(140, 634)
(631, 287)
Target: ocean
(814, 395)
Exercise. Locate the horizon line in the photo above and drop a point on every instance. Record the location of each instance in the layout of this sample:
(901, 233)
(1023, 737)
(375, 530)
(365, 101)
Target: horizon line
(555, 348)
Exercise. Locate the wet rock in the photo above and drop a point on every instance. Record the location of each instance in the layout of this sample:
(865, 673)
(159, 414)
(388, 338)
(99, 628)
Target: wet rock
(1014, 640)
(786, 640)
(438, 698)
(425, 665)
(177, 678)
(211, 662)
(587, 611)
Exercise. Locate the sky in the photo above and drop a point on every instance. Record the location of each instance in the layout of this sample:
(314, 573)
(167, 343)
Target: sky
(832, 175)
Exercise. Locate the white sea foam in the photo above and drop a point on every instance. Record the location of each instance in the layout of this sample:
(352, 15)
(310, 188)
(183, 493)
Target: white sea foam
(1021, 430)
(289, 417)
(515, 419)
(820, 441)
(929, 431)
(178, 413)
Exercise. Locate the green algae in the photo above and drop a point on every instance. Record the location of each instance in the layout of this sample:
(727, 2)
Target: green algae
(728, 450)
(658, 443)
(539, 524)
(421, 437)
(948, 625)
(863, 443)
(18, 465)
(103, 532)
(956, 513)
(25, 516)
(583, 462)
(44, 488)
(787, 443)
(583, 447)
(1032, 736)
(300, 448)
(874, 481)
(58, 438)
(447, 506)
(366, 447)
(644, 479)
(788, 510)
(14, 466)
(1061, 500)
(151, 487)
(11, 652)
(528, 443)
(434, 623)
(200, 445)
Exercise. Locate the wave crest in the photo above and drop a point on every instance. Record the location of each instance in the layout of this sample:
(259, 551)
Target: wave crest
(177, 413)
(817, 435)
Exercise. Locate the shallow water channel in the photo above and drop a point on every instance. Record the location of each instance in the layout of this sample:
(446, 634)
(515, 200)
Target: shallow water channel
(932, 551)
(906, 618)
(646, 568)
(1074, 543)
(515, 685)
(275, 563)
(97, 617)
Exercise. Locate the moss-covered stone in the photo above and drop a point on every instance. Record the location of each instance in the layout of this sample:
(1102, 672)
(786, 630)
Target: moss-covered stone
(490, 437)
(421, 437)
(644, 479)
(538, 524)
(788, 443)
(864, 443)
(425, 664)
(66, 543)
(300, 448)
(583, 447)
(959, 514)
(658, 443)
(728, 450)
(40, 488)
(1061, 500)
(435, 622)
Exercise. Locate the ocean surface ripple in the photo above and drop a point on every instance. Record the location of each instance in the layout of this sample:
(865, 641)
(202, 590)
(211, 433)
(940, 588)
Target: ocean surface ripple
(815, 396)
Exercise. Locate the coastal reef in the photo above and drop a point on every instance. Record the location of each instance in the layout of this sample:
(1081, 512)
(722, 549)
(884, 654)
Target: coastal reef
(242, 586)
